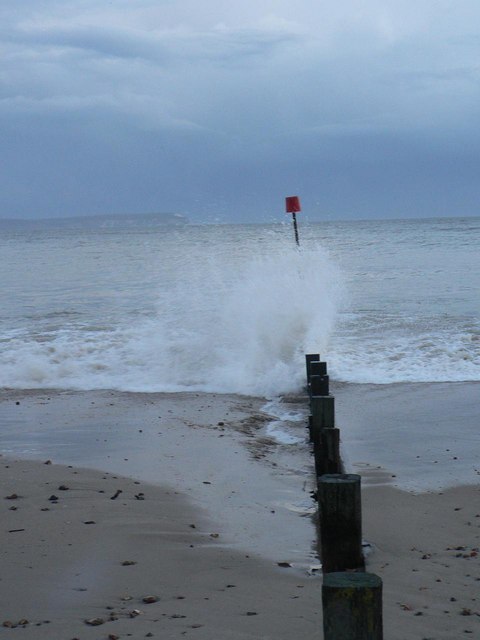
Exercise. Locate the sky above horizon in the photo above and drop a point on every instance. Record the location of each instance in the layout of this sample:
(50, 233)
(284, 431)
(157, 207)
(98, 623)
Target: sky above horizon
(219, 110)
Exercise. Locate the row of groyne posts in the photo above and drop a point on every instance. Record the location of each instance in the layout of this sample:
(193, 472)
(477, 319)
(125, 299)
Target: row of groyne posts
(351, 597)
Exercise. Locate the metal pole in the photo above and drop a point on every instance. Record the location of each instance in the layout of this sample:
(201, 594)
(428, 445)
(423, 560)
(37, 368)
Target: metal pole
(295, 228)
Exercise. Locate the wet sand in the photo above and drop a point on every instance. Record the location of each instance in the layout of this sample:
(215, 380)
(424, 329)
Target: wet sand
(212, 448)
(418, 437)
(205, 514)
(426, 548)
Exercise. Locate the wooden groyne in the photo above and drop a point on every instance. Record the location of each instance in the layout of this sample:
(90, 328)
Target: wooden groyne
(351, 598)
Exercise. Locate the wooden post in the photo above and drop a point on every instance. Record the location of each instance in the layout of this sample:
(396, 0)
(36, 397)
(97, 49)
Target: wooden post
(352, 606)
(330, 448)
(323, 414)
(318, 368)
(326, 451)
(310, 357)
(319, 385)
(340, 520)
(319, 456)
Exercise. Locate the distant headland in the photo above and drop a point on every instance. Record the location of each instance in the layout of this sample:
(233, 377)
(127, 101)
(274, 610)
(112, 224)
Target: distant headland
(111, 221)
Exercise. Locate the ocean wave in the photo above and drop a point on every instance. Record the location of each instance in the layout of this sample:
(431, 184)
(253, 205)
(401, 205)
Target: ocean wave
(249, 350)
(235, 308)
(431, 357)
(227, 326)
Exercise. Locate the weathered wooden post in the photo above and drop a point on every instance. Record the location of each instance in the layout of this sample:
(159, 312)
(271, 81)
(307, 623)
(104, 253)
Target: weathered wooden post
(309, 426)
(310, 357)
(352, 606)
(340, 522)
(326, 451)
(330, 447)
(319, 385)
(318, 455)
(323, 417)
(318, 368)
(322, 409)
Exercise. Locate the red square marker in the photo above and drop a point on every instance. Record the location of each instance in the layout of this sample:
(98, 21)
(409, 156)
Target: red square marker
(292, 204)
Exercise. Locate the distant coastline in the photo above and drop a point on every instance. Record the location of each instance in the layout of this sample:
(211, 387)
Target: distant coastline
(114, 222)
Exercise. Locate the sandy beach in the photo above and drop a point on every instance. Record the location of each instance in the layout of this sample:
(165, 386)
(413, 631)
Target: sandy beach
(88, 557)
(184, 500)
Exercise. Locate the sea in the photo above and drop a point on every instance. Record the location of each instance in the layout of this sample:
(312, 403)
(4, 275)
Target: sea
(234, 308)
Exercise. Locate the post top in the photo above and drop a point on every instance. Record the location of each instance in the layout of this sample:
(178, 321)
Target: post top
(335, 478)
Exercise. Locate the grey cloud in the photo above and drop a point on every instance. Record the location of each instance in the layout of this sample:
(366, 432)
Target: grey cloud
(106, 41)
(129, 104)
(219, 43)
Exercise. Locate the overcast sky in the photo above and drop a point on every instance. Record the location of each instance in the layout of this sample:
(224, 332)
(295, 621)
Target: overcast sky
(215, 109)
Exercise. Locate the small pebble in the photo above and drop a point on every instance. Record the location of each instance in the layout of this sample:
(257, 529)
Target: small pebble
(95, 622)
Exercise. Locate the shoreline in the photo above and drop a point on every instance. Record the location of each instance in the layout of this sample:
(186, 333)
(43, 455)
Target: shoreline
(417, 437)
(213, 448)
(228, 584)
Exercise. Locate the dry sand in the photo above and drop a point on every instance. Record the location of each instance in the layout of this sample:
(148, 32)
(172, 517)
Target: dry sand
(426, 548)
(180, 537)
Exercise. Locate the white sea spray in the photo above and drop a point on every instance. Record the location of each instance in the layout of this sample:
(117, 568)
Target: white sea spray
(233, 319)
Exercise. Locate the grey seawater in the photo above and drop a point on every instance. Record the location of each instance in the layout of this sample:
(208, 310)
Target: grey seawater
(413, 311)
(384, 301)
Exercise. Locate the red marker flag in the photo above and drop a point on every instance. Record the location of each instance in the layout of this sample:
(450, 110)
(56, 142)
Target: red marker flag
(292, 204)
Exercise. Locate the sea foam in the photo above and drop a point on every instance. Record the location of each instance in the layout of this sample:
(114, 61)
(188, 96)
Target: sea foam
(232, 321)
